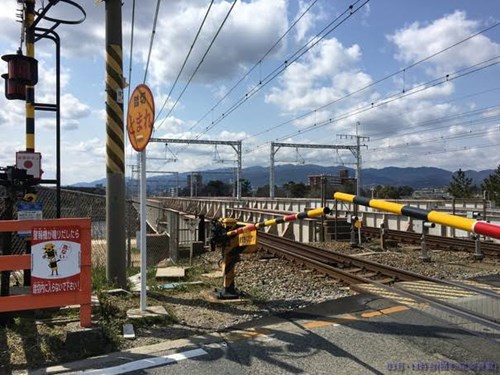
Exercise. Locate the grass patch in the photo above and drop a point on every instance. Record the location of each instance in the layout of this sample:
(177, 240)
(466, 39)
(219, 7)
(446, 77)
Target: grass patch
(45, 337)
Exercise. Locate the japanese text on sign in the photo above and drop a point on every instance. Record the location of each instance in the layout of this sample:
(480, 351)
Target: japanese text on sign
(48, 234)
(140, 117)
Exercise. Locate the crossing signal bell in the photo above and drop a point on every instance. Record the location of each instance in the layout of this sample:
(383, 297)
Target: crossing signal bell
(22, 71)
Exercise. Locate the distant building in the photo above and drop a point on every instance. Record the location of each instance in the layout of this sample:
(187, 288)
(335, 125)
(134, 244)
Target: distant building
(315, 180)
(431, 193)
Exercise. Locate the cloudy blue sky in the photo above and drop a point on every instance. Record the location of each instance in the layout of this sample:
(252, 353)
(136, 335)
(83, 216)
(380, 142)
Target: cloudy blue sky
(421, 79)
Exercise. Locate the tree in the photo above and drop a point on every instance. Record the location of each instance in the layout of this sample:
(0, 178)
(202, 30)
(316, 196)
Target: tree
(387, 192)
(262, 191)
(405, 191)
(491, 185)
(392, 192)
(294, 190)
(216, 188)
(461, 186)
(246, 188)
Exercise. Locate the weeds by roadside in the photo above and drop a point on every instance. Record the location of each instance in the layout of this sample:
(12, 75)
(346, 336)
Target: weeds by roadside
(41, 338)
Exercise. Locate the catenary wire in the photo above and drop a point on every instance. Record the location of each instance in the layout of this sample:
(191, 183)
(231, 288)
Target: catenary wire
(131, 50)
(373, 83)
(199, 64)
(277, 71)
(445, 119)
(152, 39)
(258, 63)
(185, 60)
(425, 86)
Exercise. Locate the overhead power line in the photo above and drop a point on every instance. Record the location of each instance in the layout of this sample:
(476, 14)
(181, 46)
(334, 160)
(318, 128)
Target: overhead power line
(131, 50)
(422, 87)
(258, 63)
(461, 149)
(185, 60)
(445, 120)
(152, 39)
(199, 64)
(374, 83)
(295, 56)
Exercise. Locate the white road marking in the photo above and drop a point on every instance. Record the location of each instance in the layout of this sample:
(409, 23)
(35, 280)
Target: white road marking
(146, 363)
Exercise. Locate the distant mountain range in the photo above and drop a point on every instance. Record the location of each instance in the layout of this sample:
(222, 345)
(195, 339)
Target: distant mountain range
(418, 178)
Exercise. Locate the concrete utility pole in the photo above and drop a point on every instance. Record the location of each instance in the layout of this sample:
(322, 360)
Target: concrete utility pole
(115, 153)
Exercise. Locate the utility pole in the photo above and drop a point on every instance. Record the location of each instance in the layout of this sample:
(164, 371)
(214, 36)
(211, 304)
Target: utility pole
(115, 153)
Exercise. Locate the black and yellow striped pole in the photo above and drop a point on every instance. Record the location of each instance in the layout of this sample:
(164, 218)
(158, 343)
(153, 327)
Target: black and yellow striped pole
(30, 89)
(458, 222)
(115, 153)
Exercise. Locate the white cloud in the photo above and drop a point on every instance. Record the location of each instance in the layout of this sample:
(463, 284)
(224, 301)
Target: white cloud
(248, 32)
(416, 42)
(328, 72)
(306, 22)
(72, 108)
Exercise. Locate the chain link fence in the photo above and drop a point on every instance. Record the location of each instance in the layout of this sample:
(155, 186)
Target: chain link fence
(169, 232)
(75, 204)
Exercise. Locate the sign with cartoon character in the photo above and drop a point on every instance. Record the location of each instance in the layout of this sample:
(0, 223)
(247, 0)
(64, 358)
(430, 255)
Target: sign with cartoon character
(55, 259)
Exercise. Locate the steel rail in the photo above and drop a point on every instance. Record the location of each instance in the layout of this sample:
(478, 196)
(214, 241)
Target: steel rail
(326, 256)
(311, 257)
(445, 243)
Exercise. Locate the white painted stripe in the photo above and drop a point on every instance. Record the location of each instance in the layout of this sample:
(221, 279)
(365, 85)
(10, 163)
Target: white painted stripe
(146, 363)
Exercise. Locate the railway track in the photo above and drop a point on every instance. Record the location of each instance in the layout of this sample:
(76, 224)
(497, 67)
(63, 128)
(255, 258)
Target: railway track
(468, 302)
(488, 249)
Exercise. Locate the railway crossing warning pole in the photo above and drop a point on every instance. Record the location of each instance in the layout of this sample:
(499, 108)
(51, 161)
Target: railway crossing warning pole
(30, 89)
(115, 153)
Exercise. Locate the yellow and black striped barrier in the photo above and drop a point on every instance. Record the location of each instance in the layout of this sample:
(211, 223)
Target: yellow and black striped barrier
(458, 222)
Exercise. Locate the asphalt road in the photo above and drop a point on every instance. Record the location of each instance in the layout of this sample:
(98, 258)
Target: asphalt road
(354, 335)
